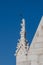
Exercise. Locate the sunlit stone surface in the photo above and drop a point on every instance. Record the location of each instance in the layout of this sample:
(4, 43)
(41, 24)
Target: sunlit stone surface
(32, 55)
(36, 48)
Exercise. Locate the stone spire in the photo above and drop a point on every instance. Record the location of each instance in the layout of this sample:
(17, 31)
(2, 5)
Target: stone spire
(22, 42)
(22, 32)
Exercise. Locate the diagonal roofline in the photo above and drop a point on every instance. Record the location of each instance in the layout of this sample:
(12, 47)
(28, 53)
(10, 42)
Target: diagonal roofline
(36, 30)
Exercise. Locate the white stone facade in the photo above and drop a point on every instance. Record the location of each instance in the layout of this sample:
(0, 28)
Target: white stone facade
(32, 55)
(36, 48)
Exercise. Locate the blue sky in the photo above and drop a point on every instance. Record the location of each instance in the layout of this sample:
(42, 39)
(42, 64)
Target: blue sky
(11, 12)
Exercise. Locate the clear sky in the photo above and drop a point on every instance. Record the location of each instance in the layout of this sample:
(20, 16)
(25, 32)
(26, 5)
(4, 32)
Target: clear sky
(11, 12)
